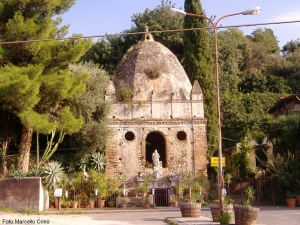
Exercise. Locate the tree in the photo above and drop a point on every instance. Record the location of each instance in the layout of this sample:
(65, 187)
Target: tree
(267, 37)
(198, 64)
(240, 159)
(290, 47)
(243, 114)
(9, 122)
(93, 134)
(34, 70)
(286, 130)
(230, 58)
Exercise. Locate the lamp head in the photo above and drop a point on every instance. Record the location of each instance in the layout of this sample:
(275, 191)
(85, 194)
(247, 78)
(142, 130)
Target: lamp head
(253, 11)
(176, 12)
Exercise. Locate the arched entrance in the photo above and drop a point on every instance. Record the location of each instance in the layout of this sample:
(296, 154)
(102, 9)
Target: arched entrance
(156, 140)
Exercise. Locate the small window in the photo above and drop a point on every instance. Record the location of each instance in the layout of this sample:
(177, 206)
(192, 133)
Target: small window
(181, 136)
(129, 136)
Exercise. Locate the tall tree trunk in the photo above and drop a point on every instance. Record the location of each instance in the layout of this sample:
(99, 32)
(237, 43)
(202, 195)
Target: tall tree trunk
(24, 150)
(4, 144)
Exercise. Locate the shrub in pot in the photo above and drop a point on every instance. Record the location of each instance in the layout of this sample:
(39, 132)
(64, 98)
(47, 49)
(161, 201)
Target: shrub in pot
(190, 205)
(124, 201)
(66, 204)
(102, 187)
(246, 214)
(290, 199)
(146, 202)
(227, 207)
(82, 199)
(174, 200)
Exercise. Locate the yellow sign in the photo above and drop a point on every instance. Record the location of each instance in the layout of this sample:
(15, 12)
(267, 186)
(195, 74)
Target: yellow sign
(214, 161)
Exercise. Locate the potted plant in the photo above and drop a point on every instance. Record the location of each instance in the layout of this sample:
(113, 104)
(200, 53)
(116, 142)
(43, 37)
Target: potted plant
(135, 192)
(225, 218)
(66, 203)
(144, 189)
(227, 207)
(92, 202)
(246, 214)
(74, 203)
(190, 205)
(102, 187)
(174, 200)
(146, 203)
(82, 199)
(51, 199)
(290, 199)
(124, 201)
(76, 182)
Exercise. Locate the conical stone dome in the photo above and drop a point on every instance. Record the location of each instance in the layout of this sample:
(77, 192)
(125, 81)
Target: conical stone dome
(152, 72)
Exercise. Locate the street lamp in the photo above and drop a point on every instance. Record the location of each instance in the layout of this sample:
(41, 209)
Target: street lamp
(253, 11)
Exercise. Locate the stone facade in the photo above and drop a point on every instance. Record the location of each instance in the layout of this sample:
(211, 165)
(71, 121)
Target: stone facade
(164, 113)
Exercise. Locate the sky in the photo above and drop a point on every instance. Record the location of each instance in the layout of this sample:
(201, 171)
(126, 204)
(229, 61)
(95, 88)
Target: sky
(99, 17)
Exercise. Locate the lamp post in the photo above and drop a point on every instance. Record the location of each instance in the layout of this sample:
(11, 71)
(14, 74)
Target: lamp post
(253, 11)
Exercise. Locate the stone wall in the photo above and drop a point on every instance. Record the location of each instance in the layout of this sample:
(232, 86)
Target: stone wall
(128, 158)
(26, 193)
(157, 110)
(200, 148)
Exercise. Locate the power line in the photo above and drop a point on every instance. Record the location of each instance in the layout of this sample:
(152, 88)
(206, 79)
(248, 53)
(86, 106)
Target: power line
(140, 33)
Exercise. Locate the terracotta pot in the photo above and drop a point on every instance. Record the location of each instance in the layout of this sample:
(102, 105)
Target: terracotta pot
(175, 204)
(291, 203)
(92, 204)
(74, 205)
(147, 205)
(123, 205)
(298, 199)
(101, 203)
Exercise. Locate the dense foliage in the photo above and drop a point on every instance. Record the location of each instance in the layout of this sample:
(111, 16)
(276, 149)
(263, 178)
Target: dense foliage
(198, 64)
(31, 72)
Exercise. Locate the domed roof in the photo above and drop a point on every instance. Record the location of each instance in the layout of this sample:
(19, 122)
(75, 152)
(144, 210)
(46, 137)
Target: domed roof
(152, 71)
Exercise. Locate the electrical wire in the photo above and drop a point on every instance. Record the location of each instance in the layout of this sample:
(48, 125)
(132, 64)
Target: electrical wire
(140, 33)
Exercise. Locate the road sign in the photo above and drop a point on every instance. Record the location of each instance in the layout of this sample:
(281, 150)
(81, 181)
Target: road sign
(214, 161)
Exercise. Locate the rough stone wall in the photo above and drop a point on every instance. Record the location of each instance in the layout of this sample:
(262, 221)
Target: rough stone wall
(200, 148)
(111, 153)
(157, 110)
(26, 193)
(127, 158)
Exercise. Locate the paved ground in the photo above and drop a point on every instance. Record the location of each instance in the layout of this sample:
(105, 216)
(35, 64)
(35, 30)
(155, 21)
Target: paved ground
(266, 216)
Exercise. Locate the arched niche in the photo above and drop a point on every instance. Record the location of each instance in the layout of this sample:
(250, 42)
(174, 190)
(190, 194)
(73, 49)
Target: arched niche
(156, 140)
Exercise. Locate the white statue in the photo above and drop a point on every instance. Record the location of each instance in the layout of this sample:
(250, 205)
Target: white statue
(155, 158)
(157, 165)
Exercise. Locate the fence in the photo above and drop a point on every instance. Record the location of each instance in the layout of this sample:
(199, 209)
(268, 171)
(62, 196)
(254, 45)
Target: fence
(264, 193)
(264, 190)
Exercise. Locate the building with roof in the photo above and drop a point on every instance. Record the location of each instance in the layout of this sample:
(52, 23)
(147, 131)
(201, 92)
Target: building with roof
(285, 105)
(154, 107)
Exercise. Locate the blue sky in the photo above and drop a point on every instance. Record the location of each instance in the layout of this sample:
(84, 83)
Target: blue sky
(98, 17)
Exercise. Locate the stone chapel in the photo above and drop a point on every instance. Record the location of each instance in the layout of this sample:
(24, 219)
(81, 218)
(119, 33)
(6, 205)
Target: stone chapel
(154, 109)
